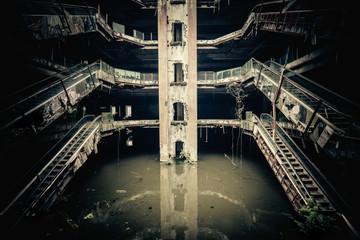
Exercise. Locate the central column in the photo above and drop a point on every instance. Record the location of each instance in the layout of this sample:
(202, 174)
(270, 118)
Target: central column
(177, 50)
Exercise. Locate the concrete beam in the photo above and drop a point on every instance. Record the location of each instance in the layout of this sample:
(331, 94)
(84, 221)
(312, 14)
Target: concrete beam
(311, 56)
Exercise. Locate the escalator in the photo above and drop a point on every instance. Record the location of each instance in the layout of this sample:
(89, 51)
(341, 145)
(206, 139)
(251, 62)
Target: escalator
(41, 103)
(59, 165)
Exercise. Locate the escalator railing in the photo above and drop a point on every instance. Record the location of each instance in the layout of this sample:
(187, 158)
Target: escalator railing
(309, 96)
(298, 96)
(32, 174)
(334, 198)
(52, 96)
(299, 193)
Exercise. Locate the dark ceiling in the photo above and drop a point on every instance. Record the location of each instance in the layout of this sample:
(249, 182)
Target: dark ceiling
(18, 44)
(226, 17)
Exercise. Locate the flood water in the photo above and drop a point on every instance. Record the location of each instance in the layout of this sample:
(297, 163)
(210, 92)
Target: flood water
(134, 196)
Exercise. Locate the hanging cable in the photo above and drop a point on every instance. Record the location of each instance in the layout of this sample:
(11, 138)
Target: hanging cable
(118, 146)
(232, 142)
(237, 142)
(206, 135)
(241, 144)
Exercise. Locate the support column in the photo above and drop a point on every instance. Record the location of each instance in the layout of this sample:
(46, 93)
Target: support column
(177, 52)
(163, 80)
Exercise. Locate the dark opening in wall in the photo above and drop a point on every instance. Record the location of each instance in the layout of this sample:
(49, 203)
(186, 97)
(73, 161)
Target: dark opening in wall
(178, 73)
(179, 111)
(179, 145)
(177, 33)
(177, 1)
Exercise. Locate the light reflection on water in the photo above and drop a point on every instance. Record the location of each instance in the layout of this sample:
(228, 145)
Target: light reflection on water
(139, 198)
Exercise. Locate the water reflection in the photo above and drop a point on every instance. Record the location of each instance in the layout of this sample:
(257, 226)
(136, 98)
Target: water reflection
(140, 198)
(178, 201)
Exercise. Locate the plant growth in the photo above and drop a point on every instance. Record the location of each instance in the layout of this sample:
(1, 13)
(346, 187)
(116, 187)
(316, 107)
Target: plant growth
(312, 221)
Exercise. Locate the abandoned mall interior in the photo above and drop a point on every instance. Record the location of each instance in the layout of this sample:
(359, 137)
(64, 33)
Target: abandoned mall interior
(179, 119)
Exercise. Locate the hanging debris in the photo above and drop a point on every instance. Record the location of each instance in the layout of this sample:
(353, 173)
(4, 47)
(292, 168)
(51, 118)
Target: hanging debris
(238, 92)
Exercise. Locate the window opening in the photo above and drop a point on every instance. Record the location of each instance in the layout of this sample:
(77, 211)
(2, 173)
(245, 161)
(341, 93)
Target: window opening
(179, 145)
(179, 111)
(178, 73)
(177, 1)
(177, 32)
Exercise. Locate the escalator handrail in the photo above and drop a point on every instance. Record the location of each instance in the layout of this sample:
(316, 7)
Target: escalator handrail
(85, 68)
(323, 88)
(47, 154)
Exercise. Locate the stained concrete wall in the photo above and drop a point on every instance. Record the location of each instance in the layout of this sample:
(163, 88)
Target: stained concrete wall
(170, 92)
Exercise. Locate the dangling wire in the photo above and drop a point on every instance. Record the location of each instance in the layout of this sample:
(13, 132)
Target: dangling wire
(118, 146)
(232, 143)
(241, 146)
(237, 142)
(206, 139)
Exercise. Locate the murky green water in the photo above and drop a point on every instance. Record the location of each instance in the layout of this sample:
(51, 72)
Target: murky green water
(139, 198)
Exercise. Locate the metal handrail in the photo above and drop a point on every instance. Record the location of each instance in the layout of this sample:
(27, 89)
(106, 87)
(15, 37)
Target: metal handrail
(51, 4)
(266, 117)
(322, 182)
(38, 83)
(42, 158)
(62, 81)
(63, 168)
(323, 88)
(307, 92)
(265, 133)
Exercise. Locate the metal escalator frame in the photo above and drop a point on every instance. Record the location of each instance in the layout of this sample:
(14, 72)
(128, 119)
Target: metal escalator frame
(57, 155)
(61, 81)
(323, 88)
(41, 160)
(330, 193)
(306, 91)
(37, 83)
(299, 155)
(259, 71)
(86, 67)
(70, 160)
(277, 150)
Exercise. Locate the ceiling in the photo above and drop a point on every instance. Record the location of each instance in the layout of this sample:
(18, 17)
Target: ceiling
(217, 19)
(227, 16)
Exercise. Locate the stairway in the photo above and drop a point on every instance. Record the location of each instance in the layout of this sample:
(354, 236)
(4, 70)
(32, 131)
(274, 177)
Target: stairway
(303, 178)
(52, 100)
(42, 190)
(296, 180)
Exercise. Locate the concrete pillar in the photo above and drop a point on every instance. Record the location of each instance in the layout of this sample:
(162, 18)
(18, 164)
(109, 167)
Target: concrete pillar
(177, 49)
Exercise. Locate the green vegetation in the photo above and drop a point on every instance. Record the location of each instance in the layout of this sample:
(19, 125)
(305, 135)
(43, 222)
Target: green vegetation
(312, 221)
(185, 157)
(119, 128)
